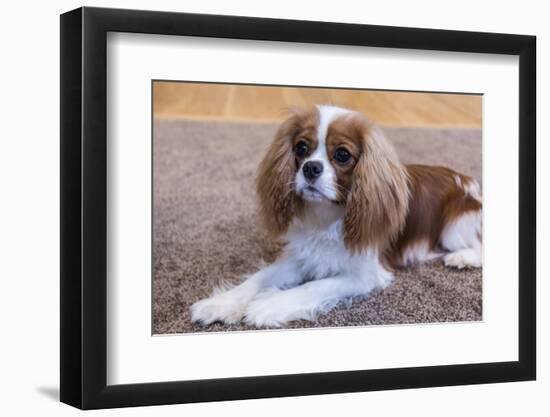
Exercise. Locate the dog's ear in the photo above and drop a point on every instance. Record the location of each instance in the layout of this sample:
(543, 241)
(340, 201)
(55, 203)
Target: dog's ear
(276, 176)
(378, 199)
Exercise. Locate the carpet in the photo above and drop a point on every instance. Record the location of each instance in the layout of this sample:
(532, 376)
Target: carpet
(206, 231)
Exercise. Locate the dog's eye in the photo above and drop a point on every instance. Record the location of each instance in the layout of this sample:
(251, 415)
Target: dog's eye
(342, 155)
(301, 149)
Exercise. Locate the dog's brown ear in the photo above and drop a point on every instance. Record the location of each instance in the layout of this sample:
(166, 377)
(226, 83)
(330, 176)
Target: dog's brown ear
(275, 179)
(378, 200)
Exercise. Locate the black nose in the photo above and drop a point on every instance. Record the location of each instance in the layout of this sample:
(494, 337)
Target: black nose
(312, 170)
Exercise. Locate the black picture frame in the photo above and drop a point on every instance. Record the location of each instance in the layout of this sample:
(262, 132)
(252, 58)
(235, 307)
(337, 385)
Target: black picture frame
(84, 207)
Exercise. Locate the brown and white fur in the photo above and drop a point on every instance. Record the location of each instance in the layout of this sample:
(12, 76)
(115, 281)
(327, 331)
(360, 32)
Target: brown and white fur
(351, 213)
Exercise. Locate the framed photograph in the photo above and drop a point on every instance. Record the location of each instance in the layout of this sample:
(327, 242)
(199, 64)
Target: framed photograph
(256, 208)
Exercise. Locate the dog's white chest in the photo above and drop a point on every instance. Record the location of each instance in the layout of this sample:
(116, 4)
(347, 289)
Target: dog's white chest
(320, 253)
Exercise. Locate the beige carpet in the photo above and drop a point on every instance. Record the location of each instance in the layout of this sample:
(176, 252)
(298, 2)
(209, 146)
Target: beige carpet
(205, 226)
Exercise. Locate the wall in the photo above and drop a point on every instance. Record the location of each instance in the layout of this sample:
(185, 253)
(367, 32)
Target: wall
(29, 226)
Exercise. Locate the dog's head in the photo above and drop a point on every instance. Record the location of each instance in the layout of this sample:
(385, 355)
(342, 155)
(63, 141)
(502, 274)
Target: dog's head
(330, 155)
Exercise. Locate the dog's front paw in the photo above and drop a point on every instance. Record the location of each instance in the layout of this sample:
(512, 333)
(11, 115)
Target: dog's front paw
(272, 308)
(225, 307)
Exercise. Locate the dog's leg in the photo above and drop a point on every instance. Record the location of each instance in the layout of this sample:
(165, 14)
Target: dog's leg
(462, 239)
(228, 305)
(274, 308)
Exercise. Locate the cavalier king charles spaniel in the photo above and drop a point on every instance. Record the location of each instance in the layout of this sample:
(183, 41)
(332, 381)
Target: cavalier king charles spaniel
(350, 213)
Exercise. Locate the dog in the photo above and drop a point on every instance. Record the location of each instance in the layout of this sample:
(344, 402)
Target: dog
(351, 214)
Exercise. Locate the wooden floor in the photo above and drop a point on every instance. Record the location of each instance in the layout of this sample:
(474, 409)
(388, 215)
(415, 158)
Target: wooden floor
(227, 102)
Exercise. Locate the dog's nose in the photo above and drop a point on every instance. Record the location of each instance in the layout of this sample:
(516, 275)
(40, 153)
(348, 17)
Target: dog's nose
(312, 170)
